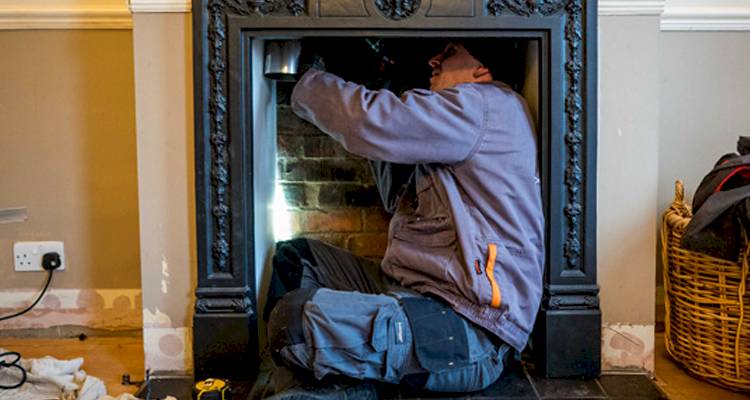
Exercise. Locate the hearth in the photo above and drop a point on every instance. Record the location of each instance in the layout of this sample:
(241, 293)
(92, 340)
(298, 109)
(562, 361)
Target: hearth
(239, 112)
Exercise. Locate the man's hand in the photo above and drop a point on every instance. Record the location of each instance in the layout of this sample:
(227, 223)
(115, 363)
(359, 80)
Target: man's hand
(313, 62)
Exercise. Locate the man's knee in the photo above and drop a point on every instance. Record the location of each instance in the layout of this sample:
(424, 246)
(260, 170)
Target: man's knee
(285, 323)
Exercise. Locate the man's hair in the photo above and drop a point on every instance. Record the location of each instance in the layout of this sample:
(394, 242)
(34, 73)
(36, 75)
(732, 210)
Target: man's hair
(489, 53)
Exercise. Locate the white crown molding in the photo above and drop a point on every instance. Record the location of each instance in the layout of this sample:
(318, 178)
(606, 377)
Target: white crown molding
(708, 17)
(631, 7)
(156, 6)
(65, 14)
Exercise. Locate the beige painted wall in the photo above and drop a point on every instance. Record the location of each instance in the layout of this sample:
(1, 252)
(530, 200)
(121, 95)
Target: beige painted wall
(705, 98)
(164, 109)
(627, 188)
(67, 154)
(628, 162)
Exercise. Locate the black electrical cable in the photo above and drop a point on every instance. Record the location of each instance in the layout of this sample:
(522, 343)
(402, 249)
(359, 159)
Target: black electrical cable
(50, 261)
(46, 285)
(12, 364)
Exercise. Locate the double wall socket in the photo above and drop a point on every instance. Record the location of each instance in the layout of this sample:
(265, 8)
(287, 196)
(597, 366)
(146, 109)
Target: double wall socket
(28, 255)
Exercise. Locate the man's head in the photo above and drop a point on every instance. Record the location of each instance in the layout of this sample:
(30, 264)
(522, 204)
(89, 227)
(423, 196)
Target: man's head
(456, 65)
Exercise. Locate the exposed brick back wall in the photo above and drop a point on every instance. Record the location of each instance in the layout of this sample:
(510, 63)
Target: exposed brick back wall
(331, 193)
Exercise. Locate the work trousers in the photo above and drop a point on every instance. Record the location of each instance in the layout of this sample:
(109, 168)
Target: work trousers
(332, 313)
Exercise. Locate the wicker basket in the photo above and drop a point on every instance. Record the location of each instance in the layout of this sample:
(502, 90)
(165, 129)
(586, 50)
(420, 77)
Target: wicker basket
(707, 321)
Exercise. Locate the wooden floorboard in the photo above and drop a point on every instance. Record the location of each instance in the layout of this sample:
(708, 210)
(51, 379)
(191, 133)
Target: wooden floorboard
(679, 385)
(106, 358)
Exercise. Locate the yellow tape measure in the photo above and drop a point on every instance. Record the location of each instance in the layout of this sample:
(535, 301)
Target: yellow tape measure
(212, 389)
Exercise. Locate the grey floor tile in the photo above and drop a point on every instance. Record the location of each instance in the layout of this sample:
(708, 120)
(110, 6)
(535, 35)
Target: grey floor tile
(568, 388)
(630, 386)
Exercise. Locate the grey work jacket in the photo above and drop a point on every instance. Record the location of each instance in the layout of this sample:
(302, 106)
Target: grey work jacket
(476, 236)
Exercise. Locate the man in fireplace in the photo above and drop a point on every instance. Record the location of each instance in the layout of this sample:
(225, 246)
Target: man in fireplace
(458, 289)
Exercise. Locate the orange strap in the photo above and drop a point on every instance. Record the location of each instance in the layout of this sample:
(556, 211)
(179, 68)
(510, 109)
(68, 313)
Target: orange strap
(496, 295)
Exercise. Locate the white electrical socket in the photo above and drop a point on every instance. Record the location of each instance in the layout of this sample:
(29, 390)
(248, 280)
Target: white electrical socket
(28, 255)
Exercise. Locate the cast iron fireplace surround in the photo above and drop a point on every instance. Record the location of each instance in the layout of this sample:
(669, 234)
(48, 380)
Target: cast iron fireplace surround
(234, 127)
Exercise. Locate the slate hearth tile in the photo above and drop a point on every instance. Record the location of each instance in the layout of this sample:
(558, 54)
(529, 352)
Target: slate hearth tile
(418, 395)
(630, 387)
(512, 384)
(413, 394)
(161, 387)
(388, 392)
(568, 388)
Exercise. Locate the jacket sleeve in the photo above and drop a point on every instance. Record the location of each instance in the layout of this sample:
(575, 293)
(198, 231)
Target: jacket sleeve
(420, 127)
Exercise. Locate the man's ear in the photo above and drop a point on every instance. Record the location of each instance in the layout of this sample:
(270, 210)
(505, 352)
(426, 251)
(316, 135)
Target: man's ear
(482, 73)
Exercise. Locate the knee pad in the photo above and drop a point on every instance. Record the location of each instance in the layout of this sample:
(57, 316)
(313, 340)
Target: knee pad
(289, 261)
(285, 323)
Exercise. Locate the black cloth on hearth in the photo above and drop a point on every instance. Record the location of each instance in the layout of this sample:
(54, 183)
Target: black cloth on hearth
(721, 207)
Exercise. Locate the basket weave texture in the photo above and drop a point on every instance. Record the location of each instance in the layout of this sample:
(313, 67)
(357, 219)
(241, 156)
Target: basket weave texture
(707, 307)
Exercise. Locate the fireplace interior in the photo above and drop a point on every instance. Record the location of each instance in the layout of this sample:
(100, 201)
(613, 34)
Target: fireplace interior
(328, 194)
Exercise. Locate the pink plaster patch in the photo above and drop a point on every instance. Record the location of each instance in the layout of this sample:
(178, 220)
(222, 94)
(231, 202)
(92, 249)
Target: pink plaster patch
(171, 345)
(627, 350)
(121, 304)
(628, 342)
(51, 301)
(90, 300)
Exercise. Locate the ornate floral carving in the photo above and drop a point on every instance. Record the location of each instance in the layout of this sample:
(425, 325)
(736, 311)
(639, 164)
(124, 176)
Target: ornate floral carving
(525, 8)
(217, 103)
(397, 9)
(574, 134)
(260, 6)
(264, 7)
(573, 108)
(220, 163)
(296, 7)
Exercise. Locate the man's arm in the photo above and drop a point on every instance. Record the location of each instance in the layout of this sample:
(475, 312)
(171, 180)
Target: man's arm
(420, 127)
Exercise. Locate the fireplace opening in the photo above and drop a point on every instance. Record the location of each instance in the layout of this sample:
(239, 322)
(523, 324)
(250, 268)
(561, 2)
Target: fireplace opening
(324, 192)
(329, 193)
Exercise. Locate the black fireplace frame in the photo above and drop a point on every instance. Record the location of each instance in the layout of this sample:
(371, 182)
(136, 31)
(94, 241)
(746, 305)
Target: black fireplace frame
(566, 339)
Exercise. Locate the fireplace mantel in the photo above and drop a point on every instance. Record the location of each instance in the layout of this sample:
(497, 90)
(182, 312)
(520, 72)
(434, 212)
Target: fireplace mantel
(232, 117)
(676, 15)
